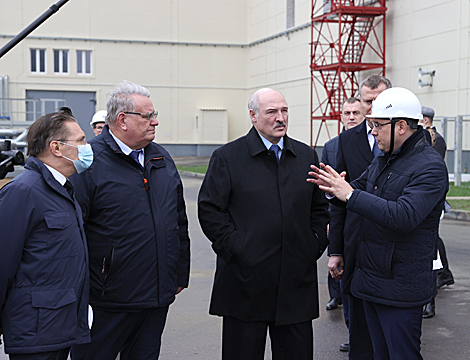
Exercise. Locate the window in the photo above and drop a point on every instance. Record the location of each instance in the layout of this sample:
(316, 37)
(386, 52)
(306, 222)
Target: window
(61, 61)
(84, 62)
(38, 61)
(290, 14)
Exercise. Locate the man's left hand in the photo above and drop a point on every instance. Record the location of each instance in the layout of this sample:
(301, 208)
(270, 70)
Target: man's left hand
(180, 288)
(330, 181)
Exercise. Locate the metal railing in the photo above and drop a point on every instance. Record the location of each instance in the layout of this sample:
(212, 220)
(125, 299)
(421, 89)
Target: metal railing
(23, 112)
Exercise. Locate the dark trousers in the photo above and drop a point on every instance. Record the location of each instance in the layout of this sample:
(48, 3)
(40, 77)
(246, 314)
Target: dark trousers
(136, 335)
(445, 272)
(345, 299)
(333, 287)
(50, 355)
(360, 343)
(247, 340)
(395, 332)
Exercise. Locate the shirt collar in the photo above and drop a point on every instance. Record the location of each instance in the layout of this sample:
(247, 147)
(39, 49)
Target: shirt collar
(268, 143)
(124, 148)
(57, 175)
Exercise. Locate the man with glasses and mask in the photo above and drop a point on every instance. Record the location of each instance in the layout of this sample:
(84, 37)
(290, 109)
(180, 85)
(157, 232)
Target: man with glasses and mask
(399, 198)
(43, 259)
(137, 230)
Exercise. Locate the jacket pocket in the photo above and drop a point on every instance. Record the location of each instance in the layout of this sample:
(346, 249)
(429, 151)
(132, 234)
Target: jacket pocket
(57, 320)
(60, 236)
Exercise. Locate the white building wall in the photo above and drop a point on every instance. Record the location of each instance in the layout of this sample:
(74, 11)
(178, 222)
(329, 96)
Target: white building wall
(180, 50)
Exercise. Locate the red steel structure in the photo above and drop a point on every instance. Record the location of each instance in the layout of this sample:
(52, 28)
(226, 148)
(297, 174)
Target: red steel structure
(348, 36)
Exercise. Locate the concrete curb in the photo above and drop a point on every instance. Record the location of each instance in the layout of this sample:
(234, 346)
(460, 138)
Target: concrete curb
(460, 215)
(191, 174)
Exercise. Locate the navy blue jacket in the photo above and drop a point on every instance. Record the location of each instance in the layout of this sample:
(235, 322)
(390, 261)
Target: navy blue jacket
(400, 200)
(267, 226)
(43, 264)
(136, 227)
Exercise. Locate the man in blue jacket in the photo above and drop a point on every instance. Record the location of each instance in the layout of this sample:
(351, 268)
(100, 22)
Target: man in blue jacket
(400, 197)
(137, 231)
(43, 258)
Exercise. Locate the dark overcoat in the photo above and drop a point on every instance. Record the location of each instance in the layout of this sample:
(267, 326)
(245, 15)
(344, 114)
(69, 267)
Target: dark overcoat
(353, 156)
(267, 225)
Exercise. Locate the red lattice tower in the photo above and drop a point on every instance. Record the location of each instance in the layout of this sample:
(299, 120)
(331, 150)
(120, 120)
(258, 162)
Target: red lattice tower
(348, 36)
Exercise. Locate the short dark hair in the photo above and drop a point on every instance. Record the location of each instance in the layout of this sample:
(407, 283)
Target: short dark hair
(373, 82)
(48, 128)
(351, 100)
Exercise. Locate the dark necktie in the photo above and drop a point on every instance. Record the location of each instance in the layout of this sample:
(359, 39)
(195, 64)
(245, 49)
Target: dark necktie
(135, 155)
(69, 187)
(276, 149)
(375, 149)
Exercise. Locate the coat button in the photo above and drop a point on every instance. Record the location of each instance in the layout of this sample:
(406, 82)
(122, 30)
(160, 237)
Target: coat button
(375, 187)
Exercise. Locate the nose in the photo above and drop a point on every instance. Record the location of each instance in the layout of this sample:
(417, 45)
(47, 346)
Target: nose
(374, 131)
(154, 122)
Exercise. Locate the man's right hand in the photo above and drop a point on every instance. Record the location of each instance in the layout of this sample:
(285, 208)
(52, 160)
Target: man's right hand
(336, 266)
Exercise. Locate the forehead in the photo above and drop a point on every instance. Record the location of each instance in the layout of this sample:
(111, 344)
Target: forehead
(143, 103)
(271, 99)
(370, 94)
(351, 107)
(75, 130)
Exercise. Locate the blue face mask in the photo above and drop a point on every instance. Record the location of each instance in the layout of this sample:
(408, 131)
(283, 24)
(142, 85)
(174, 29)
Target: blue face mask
(85, 157)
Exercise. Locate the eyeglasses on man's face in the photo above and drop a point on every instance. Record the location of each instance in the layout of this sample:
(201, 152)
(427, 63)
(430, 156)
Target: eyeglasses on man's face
(150, 116)
(378, 125)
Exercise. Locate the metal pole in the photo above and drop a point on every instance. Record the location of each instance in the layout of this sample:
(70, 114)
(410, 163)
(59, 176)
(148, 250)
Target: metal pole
(458, 151)
(49, 12)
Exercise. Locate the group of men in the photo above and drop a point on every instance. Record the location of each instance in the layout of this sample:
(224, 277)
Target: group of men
(123, 215)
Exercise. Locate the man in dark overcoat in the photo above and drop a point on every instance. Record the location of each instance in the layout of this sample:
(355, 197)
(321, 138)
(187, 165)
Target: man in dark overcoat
(268, 228)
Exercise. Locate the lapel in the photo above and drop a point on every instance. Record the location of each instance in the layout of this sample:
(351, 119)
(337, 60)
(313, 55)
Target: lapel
(362, 142)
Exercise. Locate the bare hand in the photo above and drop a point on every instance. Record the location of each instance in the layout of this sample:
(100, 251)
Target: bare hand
(330, 181)
(336, 266)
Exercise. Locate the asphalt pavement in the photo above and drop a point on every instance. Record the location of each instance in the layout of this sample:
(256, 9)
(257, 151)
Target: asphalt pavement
(191, 333)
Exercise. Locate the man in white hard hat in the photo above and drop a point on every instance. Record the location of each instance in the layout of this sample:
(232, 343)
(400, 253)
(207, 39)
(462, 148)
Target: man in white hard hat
(98, 121)
(355, 151)
(400, 197)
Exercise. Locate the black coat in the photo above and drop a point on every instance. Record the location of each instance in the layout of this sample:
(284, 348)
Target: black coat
(328, 156)
(43, 264)
(440, 145)
(400, 199)
(136, 227)
(353, 156)
(267, 225)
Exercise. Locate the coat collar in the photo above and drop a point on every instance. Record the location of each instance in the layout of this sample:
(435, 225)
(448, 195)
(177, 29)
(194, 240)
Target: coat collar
(37, 165)
(256, 146)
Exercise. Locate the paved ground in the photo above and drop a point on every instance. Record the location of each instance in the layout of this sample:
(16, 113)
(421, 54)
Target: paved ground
(191, 333)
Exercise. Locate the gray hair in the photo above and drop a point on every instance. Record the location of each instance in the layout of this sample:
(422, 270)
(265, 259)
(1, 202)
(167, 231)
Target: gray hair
(121, 99)
(253, 104)
(373, 82)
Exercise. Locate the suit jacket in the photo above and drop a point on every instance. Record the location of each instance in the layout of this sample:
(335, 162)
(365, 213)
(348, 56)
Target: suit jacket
(267, 226)
(328, 156)
(353, 156)
(440, 145)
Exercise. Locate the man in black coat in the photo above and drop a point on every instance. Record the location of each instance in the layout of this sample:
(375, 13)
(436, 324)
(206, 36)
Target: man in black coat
(444, 275)
(268, 228)
(400, 197)
(355, 153)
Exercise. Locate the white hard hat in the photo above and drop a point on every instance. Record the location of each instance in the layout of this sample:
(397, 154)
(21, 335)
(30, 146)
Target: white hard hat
(100, 116)
(396, 102)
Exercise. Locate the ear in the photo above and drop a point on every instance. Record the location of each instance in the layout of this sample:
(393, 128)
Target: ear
(121, 121)
(55, 148)
(253, 116)
(402, 127)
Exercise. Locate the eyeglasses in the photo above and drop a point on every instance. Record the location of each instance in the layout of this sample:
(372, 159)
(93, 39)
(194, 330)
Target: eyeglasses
(64, 140)
(150, 116)
(377, 125)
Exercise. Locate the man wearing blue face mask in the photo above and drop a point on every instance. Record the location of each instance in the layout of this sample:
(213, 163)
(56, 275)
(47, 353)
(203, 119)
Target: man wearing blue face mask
(43, 262)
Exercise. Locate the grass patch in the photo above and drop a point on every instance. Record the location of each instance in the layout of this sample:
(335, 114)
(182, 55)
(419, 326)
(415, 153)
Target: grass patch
(463, 190)
(460, 204)
(201, 169)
